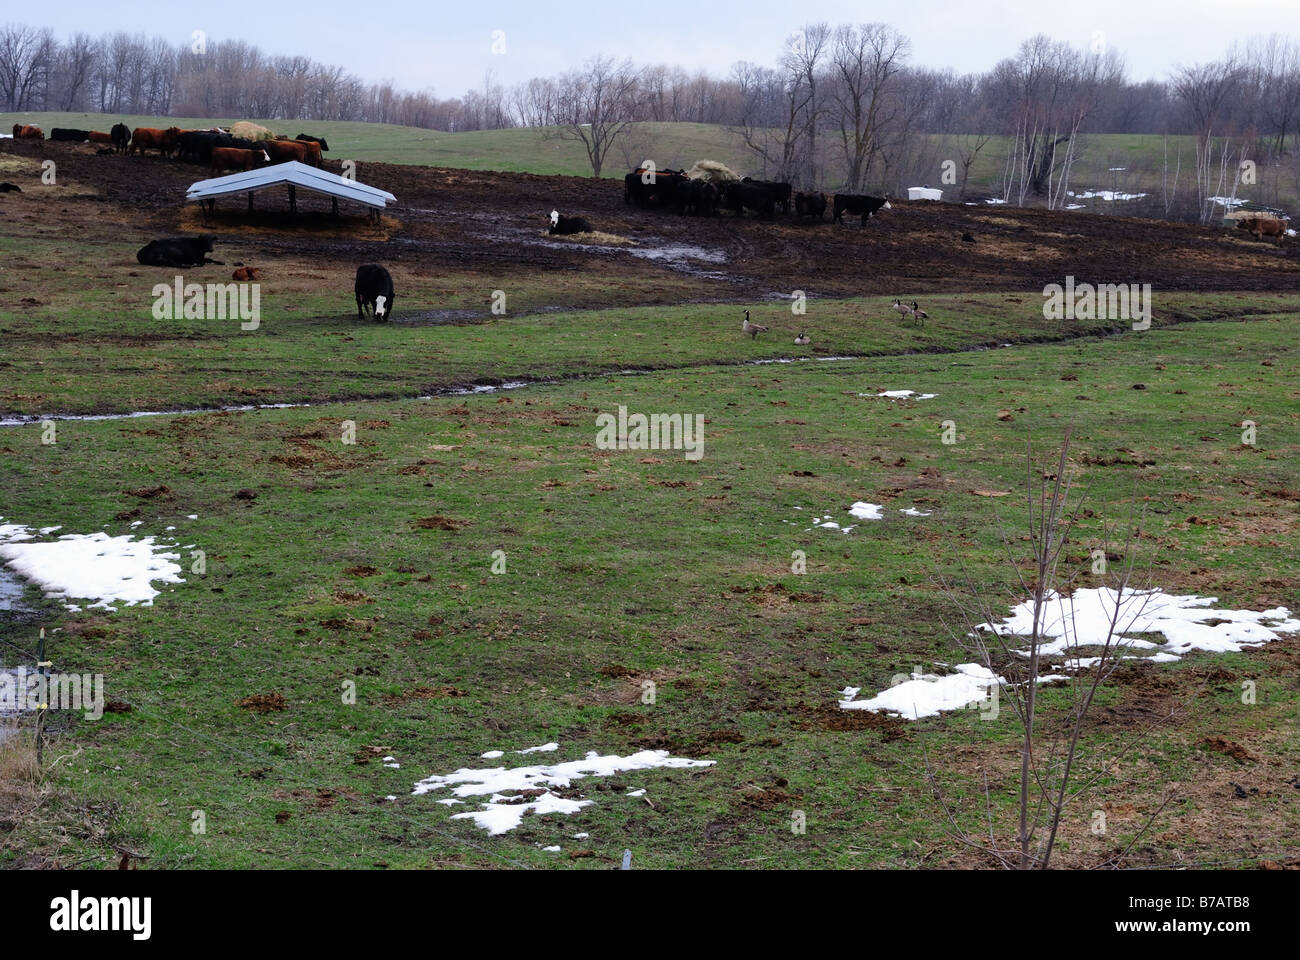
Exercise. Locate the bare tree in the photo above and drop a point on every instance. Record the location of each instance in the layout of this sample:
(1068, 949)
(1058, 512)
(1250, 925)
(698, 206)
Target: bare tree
(1051, 757)
(21, 49)
(1206, 91)
(865, 62)
(594, 106)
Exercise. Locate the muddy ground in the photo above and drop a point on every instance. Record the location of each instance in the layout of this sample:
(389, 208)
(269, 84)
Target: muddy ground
(495, 221)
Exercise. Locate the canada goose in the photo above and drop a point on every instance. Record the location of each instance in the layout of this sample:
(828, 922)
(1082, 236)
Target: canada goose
(802, 340)
(918, 313)
(753, 329)
(901, 307)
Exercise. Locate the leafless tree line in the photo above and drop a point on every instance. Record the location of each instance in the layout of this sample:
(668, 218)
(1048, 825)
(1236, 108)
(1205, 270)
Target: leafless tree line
(844, 106)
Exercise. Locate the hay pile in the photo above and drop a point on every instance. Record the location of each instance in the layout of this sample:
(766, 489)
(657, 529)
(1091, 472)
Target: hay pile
(713, 172)
(595, 237)
(250, 131)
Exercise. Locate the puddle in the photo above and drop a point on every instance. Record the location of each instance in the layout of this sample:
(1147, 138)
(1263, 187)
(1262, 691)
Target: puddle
(11, 592)
(20, 420)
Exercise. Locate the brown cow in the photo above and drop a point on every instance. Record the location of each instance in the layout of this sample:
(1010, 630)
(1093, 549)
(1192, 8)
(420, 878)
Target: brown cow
(311, 152)
(233, 158)
(282, 151)
(151, 138)
(1260, 227)
(247, 273)
(27, 132)
(97, 137)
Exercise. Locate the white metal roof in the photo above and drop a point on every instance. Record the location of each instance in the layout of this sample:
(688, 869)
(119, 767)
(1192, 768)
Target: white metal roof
(298, 174)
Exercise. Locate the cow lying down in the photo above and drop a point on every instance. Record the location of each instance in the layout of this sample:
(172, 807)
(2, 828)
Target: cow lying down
(567, 225)
(177, 252)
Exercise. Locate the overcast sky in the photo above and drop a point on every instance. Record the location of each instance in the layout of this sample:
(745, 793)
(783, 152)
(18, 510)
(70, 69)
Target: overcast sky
(421, 44)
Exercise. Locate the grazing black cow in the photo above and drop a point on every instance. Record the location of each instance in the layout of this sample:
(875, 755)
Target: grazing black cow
(699, 197)
(858, 205)
(8, 187)
(374, 288)
(177, 252)
(567, 225)
(746, 194)
(69, 135)
(810, 205)
(320, 140)
(121, 135)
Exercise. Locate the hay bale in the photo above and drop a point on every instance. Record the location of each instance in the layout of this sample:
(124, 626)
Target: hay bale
(250, 131)
(713, 172)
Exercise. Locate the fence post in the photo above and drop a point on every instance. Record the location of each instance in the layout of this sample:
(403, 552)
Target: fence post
(42, 672)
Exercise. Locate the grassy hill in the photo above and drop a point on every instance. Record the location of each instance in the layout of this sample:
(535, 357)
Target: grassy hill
(1120, 163)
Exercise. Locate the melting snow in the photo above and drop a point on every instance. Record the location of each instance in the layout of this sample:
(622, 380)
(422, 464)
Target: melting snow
(90, 566)
(1186, 623)
(502, 812)
(1107, 195)
(913, 512)
(928, 694)
(866, 511)
(901, 395)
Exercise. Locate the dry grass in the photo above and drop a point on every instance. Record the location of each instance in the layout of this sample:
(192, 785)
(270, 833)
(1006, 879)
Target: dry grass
(268, 217)
(27, 171)
(596, 237)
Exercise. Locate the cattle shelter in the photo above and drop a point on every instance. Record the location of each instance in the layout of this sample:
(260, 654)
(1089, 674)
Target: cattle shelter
(295, 176)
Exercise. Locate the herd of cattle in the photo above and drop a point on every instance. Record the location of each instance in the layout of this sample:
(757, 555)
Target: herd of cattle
(674, 189)
(244, 146)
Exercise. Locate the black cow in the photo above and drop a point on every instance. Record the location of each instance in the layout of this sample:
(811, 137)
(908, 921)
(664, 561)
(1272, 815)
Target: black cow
(699, 197)
(320, 140)
(8, 187)
(780, 192)
(177, 252)
(567, 225)
(661, 191)
(858, 205)
(69, 135)
(746, 194)
(197, 145)
(810, 205)
(374, 288)
(121, 135)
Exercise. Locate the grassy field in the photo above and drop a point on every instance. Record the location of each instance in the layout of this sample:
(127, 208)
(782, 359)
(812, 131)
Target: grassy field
(1141, 156)
(352, 604)
(672, 571)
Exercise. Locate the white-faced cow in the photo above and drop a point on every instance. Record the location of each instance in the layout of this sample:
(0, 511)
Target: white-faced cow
(374, 289)
(567, 225)
(858, 205)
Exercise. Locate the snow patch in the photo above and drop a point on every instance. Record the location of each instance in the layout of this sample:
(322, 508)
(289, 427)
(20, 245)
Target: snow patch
(502, 812)
(1186, 623)
(94, 566)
